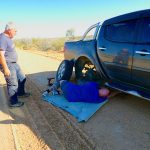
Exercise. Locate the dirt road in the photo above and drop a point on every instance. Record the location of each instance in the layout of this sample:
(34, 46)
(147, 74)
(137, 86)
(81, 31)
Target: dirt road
(123, 123)
(37, 125)
(18, 129)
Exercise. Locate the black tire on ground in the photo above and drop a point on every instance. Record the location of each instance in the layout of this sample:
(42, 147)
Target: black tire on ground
(64, 70)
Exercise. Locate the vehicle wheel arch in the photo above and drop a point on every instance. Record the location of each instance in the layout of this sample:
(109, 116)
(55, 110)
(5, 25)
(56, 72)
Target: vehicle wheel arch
(81, 61)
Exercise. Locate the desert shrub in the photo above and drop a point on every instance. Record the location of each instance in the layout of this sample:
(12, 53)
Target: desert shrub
(43, 44)
(23, 43)
(58, 44)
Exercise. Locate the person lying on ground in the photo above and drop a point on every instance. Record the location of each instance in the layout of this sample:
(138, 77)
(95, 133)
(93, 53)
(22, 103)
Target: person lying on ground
(88, 92)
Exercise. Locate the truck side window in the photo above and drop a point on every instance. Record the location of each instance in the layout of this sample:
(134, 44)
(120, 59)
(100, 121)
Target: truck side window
(121, 32)
(90, 34)
(144, 35)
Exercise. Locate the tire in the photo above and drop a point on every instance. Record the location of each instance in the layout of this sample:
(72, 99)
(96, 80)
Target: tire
(64, 70)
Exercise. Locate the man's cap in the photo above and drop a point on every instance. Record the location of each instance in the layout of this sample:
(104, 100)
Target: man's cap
(10, 25)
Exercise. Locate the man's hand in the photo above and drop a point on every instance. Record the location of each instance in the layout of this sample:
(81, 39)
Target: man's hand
(7, 72)
(4, 64)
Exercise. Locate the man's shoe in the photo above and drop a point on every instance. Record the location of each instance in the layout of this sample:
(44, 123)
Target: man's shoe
(18, 104)
(24, 95)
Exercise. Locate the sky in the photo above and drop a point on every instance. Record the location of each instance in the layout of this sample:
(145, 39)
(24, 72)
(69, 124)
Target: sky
(52, 18)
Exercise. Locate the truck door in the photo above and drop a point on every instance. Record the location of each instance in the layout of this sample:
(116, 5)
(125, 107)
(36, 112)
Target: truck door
(141, 58)
(115, 49)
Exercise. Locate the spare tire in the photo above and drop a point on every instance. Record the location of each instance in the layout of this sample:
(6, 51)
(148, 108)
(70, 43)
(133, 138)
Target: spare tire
(64, 70)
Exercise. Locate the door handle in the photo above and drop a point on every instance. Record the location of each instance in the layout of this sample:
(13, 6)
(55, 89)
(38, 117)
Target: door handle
(142, 52)
(102, 48)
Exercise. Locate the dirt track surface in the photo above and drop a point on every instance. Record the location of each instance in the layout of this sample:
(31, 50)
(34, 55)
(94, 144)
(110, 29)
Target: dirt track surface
(18, 128)
(37, 125)
(123, 123)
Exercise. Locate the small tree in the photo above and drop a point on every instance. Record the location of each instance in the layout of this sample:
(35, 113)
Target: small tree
(70, 34)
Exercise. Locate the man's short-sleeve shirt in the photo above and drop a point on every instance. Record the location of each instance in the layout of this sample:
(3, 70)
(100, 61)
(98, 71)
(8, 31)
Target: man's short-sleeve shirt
(7, 45)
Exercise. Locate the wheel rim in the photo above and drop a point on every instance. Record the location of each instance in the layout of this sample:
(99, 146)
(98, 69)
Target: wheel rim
(61, 71)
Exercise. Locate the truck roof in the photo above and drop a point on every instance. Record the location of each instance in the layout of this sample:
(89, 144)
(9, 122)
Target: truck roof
(128, 16)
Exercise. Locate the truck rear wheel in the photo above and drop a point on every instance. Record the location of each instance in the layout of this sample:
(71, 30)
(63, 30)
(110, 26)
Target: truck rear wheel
(84, 69)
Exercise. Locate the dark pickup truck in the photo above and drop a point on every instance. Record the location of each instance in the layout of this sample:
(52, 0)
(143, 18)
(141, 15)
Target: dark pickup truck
(118, 50)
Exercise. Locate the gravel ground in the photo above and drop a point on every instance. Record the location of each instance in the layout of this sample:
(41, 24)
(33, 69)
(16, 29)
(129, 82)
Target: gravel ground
(123, 123)
(38, 125)
(58, 55)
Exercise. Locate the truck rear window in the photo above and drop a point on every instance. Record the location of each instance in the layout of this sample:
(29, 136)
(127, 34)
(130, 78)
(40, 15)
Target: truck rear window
(144, 36)
(121, 32)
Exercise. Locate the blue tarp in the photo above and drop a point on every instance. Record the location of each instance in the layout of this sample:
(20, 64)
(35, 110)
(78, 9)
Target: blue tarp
(80, 110)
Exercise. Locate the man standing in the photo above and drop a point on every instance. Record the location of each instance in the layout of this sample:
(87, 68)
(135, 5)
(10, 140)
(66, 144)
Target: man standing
(14, 77)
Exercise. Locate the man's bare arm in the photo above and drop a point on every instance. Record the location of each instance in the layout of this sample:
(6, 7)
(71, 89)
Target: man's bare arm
(4, 64)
